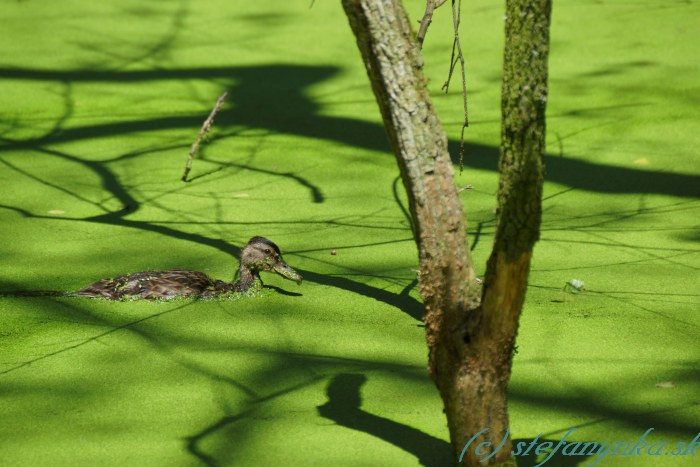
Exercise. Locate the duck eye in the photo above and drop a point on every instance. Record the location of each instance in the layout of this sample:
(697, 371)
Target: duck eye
(267, 251)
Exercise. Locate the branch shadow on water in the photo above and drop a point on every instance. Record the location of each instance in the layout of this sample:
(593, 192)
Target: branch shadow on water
(274, 98)
(557, 459)
(344, 408)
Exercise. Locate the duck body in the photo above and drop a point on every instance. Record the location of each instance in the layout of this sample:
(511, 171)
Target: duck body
(260, 254)
(154, 285)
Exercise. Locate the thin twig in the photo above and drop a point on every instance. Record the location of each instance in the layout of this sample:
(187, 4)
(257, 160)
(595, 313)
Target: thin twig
(453, 63)
(202, 133)
(457, 47)
(430, 6)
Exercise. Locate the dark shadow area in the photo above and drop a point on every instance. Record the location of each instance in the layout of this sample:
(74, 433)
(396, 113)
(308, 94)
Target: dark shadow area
(193, 442)
(592, 405)
(282, 291)
(32, 293)
(589, 176)
(344, 408)
(273, 97)
(112, 328)
(558, 459)
(219, 427)
(403, 302)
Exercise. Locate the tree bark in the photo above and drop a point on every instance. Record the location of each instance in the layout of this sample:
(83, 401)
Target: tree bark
(470, 333)
(394, 63)
(521, 166)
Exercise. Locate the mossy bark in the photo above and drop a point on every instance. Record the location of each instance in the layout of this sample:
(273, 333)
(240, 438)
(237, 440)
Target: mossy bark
(470, 332)
(521, 166)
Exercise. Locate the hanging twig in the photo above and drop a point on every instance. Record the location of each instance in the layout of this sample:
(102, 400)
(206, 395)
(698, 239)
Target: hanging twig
(202, 133)
(430, 6)
(457, 47)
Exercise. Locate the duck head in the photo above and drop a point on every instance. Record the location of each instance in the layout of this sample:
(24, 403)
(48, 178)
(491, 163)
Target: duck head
(261, 254)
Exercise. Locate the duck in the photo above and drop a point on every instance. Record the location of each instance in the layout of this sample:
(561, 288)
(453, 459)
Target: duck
(259, 254)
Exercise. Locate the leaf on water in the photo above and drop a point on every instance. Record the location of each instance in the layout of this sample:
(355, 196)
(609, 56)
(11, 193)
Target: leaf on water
(574, 286)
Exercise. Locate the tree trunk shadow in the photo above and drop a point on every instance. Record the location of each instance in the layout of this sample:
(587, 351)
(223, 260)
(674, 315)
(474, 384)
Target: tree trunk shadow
(344, 408)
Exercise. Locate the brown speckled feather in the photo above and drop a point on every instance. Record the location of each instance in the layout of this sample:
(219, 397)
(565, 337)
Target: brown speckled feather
(153, 285)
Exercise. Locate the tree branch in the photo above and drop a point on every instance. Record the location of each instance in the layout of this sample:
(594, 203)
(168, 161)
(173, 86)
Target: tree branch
(430, 6)
(393, 63)
(202, 133)
(523, 103)
(457, 46)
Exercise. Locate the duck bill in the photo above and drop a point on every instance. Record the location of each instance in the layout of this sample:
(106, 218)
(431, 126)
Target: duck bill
(285, 271)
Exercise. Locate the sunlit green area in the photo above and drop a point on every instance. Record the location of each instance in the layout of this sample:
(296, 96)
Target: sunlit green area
(99, 105)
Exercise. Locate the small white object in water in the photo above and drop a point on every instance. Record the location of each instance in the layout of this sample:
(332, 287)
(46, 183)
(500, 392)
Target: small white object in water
(576, 284)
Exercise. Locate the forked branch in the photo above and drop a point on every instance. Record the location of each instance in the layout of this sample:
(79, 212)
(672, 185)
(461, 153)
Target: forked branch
(430, 7)
(456, 56)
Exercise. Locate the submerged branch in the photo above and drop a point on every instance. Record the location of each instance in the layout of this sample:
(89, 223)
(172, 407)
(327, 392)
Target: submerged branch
(202, 133)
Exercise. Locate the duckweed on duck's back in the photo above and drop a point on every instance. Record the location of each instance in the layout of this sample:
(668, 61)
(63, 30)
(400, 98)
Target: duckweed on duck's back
(260, 254)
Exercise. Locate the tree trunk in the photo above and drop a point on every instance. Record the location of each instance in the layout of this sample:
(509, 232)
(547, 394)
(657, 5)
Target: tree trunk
(521, 166)
(470, 345)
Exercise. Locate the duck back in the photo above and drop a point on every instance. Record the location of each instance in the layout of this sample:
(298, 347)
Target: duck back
(155, 285)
